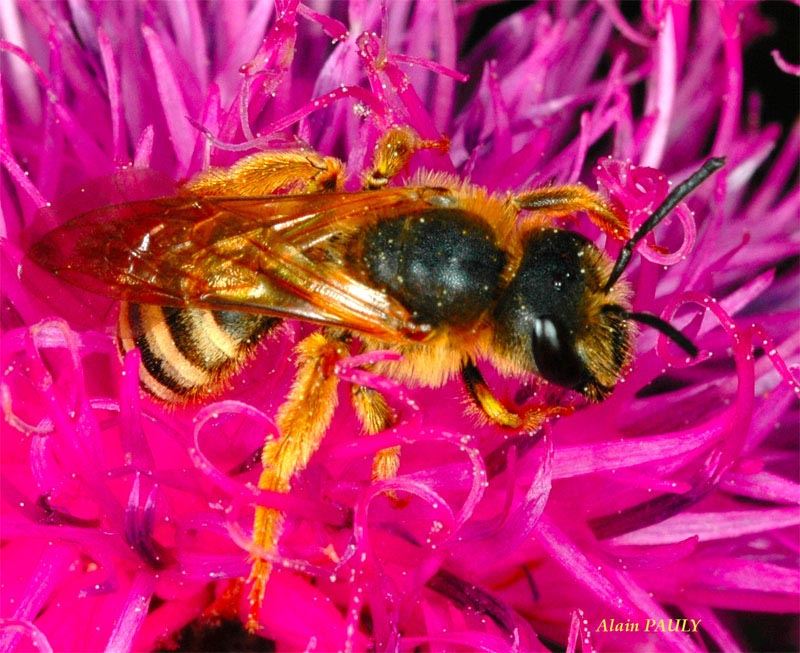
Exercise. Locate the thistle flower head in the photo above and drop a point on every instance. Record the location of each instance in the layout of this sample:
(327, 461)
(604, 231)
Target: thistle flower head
(676, 498)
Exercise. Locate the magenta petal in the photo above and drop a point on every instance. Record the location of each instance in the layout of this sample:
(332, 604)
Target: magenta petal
(172, 101)
(26, 629)
(50, 570)
(133, 614)
(572, 461)
(574, 632)
(566, 554)
(715, 629)
(763, 486)
(112, 79)
(144, 148)
(126, 522)
(713, 526)
(10, 164)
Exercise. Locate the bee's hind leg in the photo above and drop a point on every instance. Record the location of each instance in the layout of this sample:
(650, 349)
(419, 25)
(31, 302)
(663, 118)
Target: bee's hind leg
(302, 421)
(393, 152)
(553, 202)
(493, 410)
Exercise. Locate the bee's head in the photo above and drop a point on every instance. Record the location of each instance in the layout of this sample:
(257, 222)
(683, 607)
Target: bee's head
(565, 315)
(555, 319)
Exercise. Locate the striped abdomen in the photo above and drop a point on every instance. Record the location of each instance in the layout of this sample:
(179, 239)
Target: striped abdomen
(188, 353)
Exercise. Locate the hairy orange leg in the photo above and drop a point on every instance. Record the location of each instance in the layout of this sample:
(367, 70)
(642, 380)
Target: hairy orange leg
(266, 173)
(302, 421)
(495, 411)
(375, 416)
(393, 152)
(306, 414)
(553, 202)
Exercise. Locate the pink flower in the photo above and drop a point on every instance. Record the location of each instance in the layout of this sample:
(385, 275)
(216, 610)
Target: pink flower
(676, 498)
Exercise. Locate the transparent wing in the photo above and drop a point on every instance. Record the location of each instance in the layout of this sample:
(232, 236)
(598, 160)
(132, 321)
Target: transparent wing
(244, 254)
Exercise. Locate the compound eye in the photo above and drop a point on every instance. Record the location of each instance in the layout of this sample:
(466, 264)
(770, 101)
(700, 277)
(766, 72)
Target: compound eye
(554, 353)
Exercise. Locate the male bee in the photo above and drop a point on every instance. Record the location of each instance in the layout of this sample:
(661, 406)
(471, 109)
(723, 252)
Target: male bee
(439, 270)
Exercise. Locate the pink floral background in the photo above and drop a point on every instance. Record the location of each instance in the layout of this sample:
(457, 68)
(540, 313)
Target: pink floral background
(677, 497)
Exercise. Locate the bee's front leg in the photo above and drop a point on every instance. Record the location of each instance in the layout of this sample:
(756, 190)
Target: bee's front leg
(553, 202)
(496, 412)
(302, 420)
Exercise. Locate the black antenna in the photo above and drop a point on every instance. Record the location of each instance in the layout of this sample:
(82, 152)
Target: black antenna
(664, 327)
(672, 200)
(658, 324)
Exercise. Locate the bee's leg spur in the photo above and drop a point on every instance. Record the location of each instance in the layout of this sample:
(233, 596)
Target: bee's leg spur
(375, 416)
(553, 202)
(266, 173)
(393, 152)
(492, 409)
(302, 421)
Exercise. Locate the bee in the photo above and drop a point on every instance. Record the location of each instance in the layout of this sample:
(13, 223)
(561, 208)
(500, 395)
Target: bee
(439, 270)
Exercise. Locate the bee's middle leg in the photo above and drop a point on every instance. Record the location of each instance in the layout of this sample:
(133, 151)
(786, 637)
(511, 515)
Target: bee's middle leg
(302, 421)
(375, 416)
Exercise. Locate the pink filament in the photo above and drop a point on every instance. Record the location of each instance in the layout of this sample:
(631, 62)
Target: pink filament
(113, 82)
(172, 102)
